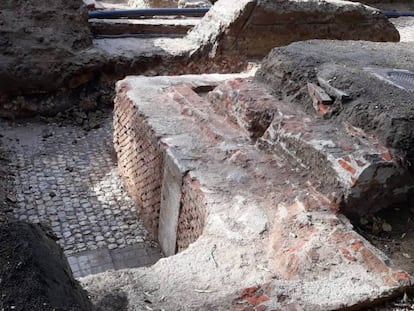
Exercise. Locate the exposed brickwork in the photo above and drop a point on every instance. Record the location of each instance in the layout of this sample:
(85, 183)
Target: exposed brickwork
(245, 103)
(247, 211)
(192, 214)
(139, 161)
(302, 243)
(140, 151)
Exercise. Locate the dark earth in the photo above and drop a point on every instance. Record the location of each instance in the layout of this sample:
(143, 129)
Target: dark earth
(34, 273)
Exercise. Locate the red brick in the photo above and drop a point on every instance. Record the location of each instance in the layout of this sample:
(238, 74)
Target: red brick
(388, 281)
(249, 291)
(346, 166)
(372, 262)
(401, 277)
(347, 255)
(386, 156)
(357, 245)
(256, 300)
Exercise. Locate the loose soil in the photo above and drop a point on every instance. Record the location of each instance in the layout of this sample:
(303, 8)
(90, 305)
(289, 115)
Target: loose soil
(392, 231)
(34, 273)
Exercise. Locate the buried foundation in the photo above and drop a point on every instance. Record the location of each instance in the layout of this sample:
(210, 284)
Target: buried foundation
(248, 180)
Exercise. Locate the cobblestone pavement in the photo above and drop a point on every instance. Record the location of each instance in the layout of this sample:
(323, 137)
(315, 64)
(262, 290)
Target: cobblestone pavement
(67, 177)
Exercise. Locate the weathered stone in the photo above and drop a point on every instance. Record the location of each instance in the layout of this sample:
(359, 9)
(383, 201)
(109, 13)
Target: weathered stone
(194, 4)
(77, 216)
(152, 3)
(254, 27)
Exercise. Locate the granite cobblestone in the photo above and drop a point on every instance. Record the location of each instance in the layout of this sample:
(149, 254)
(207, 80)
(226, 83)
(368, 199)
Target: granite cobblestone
(68, 179)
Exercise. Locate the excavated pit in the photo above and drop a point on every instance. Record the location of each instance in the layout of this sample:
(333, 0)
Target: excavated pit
(212, 197)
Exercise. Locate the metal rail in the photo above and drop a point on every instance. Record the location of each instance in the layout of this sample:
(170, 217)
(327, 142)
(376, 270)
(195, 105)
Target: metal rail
(136, 13)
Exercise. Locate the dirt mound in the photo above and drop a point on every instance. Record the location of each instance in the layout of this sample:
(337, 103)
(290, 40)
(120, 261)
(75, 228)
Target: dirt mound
(34, 274)
(42, 44)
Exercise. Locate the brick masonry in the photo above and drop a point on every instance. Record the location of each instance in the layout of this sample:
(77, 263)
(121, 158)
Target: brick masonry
(139, 161)
(357, 168)
(192, 214)
(242, 194)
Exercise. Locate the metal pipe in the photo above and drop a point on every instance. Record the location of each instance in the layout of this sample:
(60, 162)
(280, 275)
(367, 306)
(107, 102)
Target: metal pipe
(113, 14)
(398, 14)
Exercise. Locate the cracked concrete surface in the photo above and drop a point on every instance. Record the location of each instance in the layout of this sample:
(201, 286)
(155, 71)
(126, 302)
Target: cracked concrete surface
(67, 178)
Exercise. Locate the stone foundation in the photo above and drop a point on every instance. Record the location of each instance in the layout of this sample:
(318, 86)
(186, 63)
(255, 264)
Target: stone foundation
(232, 187)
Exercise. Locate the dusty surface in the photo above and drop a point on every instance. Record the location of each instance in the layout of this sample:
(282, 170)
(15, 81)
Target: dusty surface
(75, 69)
(149, 288)
(405, 26)
(34, 274)
(392, 231)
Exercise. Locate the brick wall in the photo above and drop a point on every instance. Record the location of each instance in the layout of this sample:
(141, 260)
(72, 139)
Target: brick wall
(192, 214)
(139, 160)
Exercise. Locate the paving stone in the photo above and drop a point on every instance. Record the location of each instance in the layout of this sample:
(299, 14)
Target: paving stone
(75, 188)
(112, 246)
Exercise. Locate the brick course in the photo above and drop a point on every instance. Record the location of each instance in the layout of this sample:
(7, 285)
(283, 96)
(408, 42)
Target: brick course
(192, 215)
(139, 161)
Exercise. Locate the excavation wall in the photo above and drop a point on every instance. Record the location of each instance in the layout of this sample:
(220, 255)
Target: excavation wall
(34, 272)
